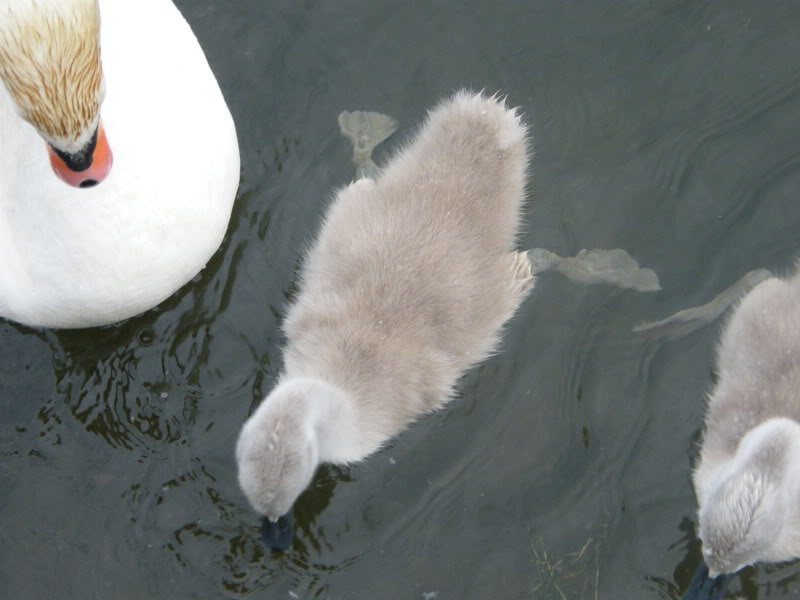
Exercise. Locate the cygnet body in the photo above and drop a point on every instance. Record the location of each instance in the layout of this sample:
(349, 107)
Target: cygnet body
(408, 285)
(748, 479)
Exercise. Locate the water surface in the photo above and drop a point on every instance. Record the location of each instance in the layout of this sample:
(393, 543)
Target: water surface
(667, 128)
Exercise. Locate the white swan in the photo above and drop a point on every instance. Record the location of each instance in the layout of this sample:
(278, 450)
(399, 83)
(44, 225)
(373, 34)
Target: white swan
(72, 257)
(748, 479)
(407, 286)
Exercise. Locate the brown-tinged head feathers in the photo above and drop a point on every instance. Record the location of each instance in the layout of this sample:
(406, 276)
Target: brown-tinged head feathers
(50, 64)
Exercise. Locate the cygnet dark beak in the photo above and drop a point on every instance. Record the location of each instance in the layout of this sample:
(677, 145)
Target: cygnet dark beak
(278, 535)
(704, 587)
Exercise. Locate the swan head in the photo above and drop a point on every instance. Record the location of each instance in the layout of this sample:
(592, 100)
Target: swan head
(749, 513)
(50, 64)
(278, 448)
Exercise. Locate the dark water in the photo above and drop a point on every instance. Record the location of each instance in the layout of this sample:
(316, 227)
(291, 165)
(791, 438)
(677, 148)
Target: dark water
(667, 128)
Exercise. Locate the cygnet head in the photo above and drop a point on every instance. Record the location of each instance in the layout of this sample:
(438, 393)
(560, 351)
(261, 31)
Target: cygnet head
(278, 449)
(735, 528)
(749, 515)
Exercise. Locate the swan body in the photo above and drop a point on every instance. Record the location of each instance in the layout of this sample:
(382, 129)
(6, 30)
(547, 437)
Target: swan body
(408, 284)
(748, 478)
(73, 257)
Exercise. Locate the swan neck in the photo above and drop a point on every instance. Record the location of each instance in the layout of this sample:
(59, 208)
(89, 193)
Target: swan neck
(772, 449)
(331, 417)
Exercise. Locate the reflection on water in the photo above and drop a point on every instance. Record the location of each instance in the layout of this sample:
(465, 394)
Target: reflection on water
(98, 372)
(667, 129)
(684, 571)
(141, 388)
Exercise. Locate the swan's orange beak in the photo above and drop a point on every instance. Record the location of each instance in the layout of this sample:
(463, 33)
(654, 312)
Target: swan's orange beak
(99, 162)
